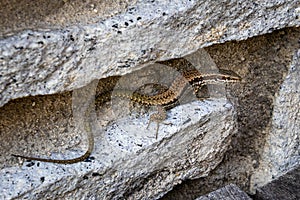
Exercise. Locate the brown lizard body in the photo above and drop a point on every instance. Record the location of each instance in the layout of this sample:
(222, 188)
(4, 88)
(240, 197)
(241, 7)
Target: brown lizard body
(188, 76)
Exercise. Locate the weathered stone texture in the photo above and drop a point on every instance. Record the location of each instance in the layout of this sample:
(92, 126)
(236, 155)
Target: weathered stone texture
(258, 121)
(54, 59)
(282, 149)
(132, 164)
(229, 192)
(266, 64)
(285, 187)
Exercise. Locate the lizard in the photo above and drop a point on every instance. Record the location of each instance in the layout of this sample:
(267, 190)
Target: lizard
(166, 99)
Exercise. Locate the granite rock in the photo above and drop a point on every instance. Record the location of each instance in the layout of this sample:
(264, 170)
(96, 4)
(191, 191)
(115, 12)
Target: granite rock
(46, 51)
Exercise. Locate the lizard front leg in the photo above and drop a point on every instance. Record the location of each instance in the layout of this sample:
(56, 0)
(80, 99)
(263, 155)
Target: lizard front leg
(158, 117)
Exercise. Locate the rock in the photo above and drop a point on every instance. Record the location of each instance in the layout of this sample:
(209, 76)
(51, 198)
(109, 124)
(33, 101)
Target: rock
(38, 57)
(60, 53)
(285, 187)
(128, 162)
(228, 192)
(267, 66)
(282, 149)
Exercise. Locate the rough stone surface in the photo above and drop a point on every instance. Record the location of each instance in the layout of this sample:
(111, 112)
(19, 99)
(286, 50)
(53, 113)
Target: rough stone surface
(38, 57)
(229, 192)
(16, 16)
(286, 187)
(264, 63)
(282, 149)
(128, 161)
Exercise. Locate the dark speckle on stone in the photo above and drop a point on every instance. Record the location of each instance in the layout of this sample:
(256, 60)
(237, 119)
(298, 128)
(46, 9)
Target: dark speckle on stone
(163, 13)
(89, 159)
(126, 23)
(42, 179)
(119, 32)
(124, 66)
(131, 20)
(143, 51)
(130, 10)
(95, 174)
(138, 18)
(72, 38)
(85, 177)
(19, 48)
(115, 26)
(91, 49)
(46, 36)
(30, 164)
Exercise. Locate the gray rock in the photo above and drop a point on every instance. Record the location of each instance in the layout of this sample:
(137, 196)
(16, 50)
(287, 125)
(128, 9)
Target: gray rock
(229, 192)
(128, 161)
(282, 149)
(43, 58)
(285, 187)
(263, 62)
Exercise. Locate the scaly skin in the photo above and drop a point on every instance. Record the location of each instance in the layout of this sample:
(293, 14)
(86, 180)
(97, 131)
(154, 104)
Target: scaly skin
(166, 99)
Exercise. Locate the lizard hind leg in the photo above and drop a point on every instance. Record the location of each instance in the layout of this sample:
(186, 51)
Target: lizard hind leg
(158, 117)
